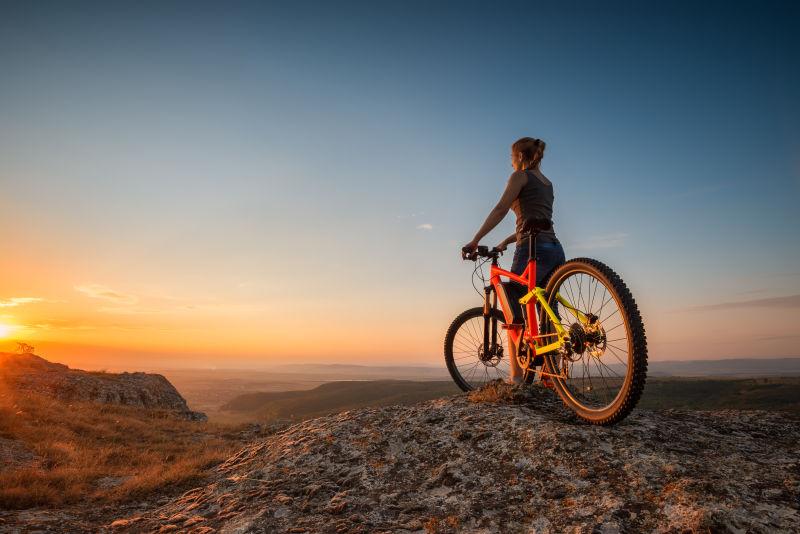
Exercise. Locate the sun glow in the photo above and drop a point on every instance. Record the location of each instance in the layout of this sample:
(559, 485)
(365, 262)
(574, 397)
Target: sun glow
(5, 330)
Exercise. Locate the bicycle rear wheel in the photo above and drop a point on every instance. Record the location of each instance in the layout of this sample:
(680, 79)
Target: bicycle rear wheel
(469, 364)
(604, 367)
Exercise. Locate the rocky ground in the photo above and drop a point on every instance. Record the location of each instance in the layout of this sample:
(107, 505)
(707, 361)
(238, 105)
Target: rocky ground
(500, 460)
(28, 372)
(520, 464)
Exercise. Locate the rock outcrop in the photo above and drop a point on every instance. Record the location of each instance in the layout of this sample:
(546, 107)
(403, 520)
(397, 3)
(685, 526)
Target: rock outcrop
(521, 464)
(28, 372)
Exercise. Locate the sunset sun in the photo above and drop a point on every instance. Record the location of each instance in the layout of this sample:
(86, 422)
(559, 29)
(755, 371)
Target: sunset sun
(5, 330)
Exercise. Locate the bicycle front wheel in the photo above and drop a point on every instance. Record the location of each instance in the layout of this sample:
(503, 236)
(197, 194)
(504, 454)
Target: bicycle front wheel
(603, 369)
(470, 363)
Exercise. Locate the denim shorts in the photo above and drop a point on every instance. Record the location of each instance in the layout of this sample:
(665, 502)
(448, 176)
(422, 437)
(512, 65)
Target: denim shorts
(548, 257)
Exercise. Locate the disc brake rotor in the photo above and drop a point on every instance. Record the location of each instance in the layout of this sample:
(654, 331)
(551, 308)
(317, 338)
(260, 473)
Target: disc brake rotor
(492, 359)
(596, 339)
(589, 338)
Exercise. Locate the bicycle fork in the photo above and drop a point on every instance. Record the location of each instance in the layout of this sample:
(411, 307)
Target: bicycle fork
(489, 321)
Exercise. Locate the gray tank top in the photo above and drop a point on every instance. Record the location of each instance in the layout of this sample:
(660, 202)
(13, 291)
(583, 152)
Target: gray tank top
(535, 201)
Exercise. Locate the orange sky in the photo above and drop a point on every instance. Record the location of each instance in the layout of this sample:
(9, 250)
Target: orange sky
(131, 324)
(95, 319)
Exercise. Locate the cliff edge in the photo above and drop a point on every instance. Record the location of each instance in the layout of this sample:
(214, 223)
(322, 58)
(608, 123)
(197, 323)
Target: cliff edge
(518, 464)
(31, 373)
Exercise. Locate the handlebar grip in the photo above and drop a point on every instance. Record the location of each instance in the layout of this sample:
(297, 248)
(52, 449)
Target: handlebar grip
(481, 251)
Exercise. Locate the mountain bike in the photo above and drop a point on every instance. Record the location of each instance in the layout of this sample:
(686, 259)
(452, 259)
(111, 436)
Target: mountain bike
(581, 335)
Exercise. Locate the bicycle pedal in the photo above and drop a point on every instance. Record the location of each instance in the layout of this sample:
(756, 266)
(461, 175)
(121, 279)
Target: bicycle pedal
(547, 383)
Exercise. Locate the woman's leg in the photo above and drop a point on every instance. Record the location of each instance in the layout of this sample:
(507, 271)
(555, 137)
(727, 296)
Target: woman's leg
(549, 256)
(515, 372)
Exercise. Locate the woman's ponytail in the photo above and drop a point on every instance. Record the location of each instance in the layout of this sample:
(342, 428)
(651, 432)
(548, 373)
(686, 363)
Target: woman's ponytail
(532, 151)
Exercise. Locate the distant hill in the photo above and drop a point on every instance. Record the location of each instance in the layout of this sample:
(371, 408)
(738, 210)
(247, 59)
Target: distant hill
(769, 393)
(729, 367)
(340, 371)
(726, 367)
(208, 390)
(337, 396)
(766, 393)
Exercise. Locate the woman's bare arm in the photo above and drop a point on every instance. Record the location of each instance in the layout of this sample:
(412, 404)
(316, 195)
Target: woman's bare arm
(513, 187)
(507, 241)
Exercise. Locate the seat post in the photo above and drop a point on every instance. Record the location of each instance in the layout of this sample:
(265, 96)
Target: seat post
(532, 247)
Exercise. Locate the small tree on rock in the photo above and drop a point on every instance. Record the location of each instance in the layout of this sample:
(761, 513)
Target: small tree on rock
(24, 348)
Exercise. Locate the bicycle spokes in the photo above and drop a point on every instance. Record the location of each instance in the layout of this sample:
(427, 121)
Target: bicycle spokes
(594, 362)
(478, 359)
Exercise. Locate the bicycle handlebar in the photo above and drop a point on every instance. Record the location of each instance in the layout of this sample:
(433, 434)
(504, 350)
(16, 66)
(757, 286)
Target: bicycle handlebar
(482, 251)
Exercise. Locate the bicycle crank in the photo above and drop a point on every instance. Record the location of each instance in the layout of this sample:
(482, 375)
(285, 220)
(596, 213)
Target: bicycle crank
(524, 355)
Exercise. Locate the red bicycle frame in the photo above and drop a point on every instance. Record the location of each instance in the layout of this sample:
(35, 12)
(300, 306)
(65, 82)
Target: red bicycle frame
(516, 332)
(527, 279)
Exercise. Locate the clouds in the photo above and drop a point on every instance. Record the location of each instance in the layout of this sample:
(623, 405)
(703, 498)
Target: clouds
(778, 338)
(114, 302)
(138, 310)
(787, 302)
(421, 226)
(18, 301)
(97, 291)
(615, 240)
(410, 215)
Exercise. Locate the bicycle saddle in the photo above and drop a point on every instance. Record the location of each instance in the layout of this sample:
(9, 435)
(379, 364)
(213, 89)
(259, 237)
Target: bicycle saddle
(537, 225)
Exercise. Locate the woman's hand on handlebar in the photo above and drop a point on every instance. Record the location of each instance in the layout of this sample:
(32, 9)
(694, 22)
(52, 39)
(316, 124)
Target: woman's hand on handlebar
(505, 242)
(469, 248)
(471, 251)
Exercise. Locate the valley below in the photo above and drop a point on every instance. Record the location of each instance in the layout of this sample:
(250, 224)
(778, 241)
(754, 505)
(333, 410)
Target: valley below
(268, 397)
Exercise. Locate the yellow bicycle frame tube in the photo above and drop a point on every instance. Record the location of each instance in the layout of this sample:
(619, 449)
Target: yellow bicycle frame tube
(538, 294)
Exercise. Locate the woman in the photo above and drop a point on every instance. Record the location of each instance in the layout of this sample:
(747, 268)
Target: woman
(530, 195)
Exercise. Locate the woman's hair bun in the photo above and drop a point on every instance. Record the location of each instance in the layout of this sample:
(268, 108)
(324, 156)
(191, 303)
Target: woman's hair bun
(532, 151)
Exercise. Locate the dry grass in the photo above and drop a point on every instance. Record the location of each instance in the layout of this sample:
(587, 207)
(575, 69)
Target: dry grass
(496, 391)
(78, 445)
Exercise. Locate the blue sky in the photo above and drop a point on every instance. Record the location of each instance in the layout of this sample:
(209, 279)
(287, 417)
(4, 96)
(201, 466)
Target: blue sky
(279, 160)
